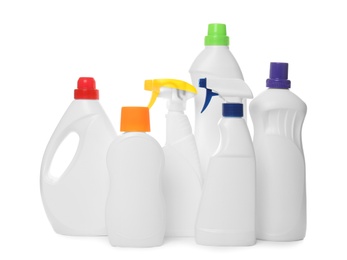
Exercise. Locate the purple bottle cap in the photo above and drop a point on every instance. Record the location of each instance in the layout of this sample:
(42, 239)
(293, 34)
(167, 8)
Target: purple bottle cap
(278, 76)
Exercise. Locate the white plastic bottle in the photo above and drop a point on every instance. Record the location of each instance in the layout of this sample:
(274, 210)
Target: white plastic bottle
(215, 60)
(135, 213)
(226, 214)
(278, 116)
(75, 202)
(182, 172)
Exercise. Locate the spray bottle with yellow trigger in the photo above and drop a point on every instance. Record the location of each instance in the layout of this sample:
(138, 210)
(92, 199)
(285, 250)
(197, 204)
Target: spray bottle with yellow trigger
(182, 174)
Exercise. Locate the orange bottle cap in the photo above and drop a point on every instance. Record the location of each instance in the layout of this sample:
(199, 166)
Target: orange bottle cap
(135, 119)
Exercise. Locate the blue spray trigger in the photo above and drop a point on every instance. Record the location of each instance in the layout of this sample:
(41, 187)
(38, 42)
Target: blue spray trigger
(209, 93)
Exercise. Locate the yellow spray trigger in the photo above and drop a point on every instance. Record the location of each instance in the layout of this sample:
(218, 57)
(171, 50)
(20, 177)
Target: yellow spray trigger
(154, 85)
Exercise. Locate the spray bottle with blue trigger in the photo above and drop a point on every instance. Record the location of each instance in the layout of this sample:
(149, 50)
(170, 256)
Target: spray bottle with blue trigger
(231, 91)
(182, 172)
(226, 214)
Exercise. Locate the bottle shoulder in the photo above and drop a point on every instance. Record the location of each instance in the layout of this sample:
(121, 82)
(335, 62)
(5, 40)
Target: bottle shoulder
(274, 99)
(278, 117)
(217, 61)
(82, 110)
(84, 106)
(135, 146)
(79, 109)
(136, 137)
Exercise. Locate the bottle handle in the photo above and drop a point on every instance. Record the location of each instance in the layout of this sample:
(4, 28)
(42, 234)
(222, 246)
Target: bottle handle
(58, 137)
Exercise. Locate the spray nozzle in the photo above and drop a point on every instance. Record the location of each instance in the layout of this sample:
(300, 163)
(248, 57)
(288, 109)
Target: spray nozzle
(229, 89)
(176, 91)
(209, 93)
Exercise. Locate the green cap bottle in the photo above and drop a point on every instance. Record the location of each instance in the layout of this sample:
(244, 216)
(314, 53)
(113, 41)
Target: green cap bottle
(217, 35)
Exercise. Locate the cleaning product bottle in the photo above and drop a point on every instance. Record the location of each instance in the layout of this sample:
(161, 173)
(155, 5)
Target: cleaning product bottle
(215, 60)
(182, 173)
(135, 213)
(226, 214)
(75, 202)
(278, 116)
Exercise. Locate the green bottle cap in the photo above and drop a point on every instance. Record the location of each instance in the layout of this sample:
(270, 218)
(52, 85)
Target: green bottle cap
(217, 35)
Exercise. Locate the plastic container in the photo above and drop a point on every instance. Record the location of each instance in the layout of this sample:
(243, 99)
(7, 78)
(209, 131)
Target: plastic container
(278, 116)
(215, 60)
(227, 209)
(75, 202)
(182, 172)
(135, 213)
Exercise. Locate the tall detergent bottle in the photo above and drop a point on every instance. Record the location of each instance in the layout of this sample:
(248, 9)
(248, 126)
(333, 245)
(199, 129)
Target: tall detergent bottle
(226, 214)
(278, 116)
(182, 173)
(135, 212)
(215, 60)
(75, 201)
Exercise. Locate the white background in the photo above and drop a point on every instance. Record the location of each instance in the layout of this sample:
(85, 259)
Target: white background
(45, 46)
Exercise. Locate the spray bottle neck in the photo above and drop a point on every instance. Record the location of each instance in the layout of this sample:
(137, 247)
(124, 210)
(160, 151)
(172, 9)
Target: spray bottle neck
(177, 127)
(175, 107)
(176, 101)
(234, 137)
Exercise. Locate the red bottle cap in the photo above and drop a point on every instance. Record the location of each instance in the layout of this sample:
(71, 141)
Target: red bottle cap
(86, 89)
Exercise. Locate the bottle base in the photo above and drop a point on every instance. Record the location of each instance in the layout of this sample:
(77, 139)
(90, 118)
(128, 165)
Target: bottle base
(179, 233)
(79, 233)
(127, 242)
(296, 234)
(274, 238)
(217, 237)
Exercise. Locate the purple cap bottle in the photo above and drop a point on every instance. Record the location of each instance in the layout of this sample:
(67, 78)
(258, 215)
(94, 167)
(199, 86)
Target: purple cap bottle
(278, 76)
